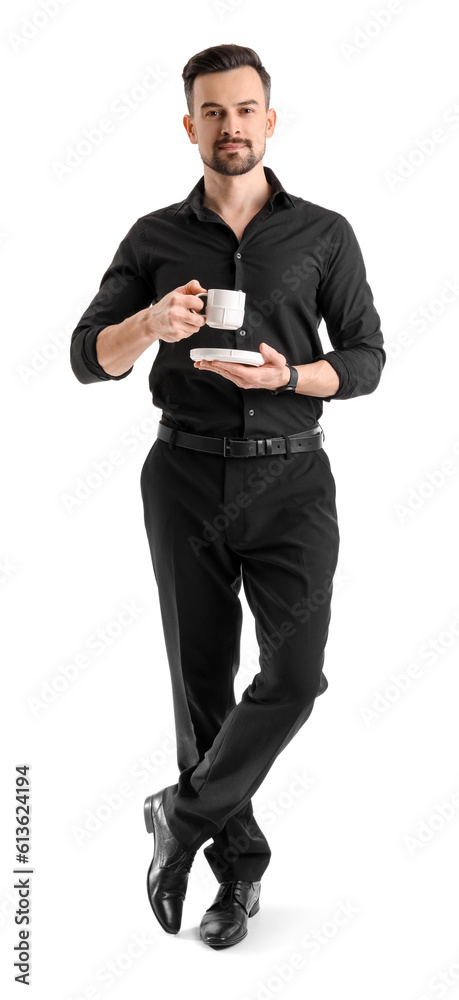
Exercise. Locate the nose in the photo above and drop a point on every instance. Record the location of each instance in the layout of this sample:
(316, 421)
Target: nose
(231, 126)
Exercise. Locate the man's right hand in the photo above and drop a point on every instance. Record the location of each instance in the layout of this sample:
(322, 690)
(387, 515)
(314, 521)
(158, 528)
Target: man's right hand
(171, 320)
(119, 345)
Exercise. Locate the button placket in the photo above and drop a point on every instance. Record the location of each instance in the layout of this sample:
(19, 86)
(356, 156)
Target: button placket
(239, 283)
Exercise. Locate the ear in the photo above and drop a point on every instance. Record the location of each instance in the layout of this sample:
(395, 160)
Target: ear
(271, 119)
(190, 130)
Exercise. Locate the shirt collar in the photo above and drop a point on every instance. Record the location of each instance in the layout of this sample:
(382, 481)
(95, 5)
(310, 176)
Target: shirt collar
(194, 201)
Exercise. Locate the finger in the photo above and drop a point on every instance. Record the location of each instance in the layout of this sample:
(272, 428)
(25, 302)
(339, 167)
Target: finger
(271, 356)
(233, 372)
(190, 318)
(192, 287)
(193, 302)
(242, 371)
(231, 378)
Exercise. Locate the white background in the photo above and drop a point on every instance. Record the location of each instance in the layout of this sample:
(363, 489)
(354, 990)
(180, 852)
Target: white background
(372, 783)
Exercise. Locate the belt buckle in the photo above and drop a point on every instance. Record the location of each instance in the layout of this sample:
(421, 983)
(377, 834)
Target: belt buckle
(227, 451)
(259, 443)
(249, 445)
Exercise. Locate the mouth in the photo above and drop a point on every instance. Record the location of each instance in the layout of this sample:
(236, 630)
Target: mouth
(231, 146)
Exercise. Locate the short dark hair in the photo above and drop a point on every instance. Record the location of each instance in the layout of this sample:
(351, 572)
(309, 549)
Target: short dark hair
(218, 59)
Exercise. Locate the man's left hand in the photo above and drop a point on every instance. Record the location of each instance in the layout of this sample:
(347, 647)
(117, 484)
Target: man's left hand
(270, 375)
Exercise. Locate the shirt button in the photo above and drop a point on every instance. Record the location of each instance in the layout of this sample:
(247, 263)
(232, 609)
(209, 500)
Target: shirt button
(238, 255)
(242, 333)
(251, 413)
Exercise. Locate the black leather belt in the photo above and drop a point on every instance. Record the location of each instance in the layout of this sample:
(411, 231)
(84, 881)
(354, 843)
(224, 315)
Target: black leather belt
(243, 447)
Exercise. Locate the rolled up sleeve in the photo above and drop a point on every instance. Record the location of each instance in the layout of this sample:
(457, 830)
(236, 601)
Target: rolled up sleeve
(346, 304)
(125, 289)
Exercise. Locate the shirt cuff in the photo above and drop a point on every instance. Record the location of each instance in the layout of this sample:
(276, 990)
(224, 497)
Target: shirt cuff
(340, 368)
(89, 354)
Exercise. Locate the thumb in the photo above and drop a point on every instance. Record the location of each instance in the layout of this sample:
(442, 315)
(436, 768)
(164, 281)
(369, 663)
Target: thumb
(193, 287)
(270, 354)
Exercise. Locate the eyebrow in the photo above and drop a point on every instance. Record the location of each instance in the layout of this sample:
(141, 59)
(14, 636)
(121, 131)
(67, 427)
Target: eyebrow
(214, 104)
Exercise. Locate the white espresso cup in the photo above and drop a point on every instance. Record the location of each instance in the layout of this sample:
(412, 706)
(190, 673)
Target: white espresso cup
(225, 308)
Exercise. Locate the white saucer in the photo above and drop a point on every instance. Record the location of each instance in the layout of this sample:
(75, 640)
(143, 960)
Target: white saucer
(226, 354)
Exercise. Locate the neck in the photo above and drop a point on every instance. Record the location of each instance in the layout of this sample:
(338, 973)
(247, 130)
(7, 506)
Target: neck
(235, 195)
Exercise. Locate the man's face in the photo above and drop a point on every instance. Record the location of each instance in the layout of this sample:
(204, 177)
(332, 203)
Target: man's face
(230, 123)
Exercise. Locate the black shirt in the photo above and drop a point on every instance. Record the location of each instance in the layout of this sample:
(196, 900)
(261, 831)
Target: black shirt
(297, 262)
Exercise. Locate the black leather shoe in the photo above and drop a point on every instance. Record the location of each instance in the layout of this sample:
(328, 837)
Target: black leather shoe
(225, 922)
(167, 876)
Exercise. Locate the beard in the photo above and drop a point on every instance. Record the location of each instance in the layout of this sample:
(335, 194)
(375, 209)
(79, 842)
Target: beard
(232, 164)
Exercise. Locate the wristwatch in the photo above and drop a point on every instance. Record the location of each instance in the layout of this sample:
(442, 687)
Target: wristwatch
(291, 384)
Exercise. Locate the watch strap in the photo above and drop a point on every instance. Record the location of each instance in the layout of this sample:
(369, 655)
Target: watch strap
(292, 382)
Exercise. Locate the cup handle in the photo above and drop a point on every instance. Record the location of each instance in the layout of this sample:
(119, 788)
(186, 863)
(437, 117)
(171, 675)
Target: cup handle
(201, 295)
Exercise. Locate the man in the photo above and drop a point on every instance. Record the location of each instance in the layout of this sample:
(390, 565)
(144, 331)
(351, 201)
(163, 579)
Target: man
(237, 487)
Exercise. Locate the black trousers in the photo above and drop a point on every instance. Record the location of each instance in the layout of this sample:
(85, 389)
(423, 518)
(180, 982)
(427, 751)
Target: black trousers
(213, 524)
